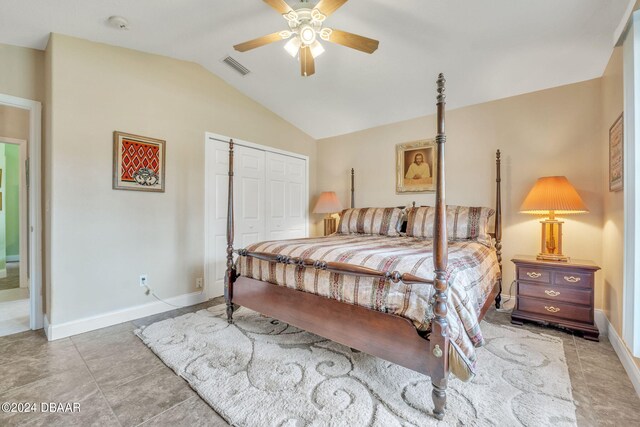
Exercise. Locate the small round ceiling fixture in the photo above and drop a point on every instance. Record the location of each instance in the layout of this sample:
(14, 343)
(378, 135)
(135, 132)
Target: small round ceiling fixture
(307, 34)
(118, 22)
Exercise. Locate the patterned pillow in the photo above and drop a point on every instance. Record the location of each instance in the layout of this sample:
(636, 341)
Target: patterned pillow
(383, 221)
(463, 223)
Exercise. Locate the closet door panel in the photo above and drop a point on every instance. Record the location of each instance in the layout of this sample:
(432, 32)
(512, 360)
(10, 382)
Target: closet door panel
(297, 197)
(249, 190)
(286, 197)
(217, 186)
(249, 205)
(276, 196)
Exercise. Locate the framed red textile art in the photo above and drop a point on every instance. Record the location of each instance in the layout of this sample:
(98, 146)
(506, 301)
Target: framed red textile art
(138, 162)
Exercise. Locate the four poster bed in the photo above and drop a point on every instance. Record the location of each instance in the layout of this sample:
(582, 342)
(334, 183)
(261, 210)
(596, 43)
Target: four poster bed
(382, 295)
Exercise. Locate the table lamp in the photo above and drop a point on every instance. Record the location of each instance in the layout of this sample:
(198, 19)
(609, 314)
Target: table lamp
(328, 203)
(551, 196)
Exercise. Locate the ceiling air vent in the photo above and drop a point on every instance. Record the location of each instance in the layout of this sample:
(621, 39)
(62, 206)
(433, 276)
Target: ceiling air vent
(236, 65)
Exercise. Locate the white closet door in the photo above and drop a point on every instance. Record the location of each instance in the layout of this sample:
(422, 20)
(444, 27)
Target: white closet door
(249, 196)
(249, 205)
(286, 197)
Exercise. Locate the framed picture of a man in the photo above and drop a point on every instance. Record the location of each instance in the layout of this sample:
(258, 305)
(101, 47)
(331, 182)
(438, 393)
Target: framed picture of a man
(416, 167)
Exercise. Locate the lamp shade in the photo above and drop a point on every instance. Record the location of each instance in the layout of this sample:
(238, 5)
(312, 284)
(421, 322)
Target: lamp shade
(553, 194)
(328, 203)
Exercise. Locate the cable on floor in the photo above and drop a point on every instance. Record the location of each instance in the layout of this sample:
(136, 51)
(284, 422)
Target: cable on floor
(150, 291)
(507, 310)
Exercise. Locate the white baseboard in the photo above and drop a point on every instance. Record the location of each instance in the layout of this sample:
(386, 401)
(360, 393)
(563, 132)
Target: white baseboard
(74, 327)
(3, 273)
(13, 258)
(606, 328)
(602, 322)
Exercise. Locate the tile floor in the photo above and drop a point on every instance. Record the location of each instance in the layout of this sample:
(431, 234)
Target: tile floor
(14, 316)
(14, 302)
(119, 382)
(13, 277)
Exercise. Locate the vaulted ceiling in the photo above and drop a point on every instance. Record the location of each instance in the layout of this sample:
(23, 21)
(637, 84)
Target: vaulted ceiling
(488, 49)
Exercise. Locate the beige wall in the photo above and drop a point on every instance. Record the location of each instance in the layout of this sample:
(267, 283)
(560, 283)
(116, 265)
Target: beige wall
(102, 239)
(14, 122)
(613, 202)
(22, 72)
(551, 132)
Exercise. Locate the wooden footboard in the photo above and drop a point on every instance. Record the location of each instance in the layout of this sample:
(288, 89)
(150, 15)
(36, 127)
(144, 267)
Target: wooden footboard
(388, 336)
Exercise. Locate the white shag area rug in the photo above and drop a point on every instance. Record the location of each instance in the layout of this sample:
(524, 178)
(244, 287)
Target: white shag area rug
(262, 372)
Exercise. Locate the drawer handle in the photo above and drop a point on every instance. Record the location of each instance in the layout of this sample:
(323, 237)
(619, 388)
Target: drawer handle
(534, 275)
(552, 293)
(552, 309)
(572, 279)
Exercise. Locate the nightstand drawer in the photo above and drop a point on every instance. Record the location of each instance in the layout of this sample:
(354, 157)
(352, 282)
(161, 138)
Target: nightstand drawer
(534, 274)
(573, 279)
(555, 293)
(555, 309)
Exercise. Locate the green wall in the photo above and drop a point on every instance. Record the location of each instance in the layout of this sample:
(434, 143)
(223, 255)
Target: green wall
(3, 213)
(12, 198)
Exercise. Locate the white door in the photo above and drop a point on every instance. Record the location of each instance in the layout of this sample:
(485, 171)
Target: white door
(249, 205)
(286, 197)
(270, 201)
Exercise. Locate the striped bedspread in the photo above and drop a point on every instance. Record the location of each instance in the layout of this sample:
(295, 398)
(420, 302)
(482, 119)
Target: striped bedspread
(472, 272)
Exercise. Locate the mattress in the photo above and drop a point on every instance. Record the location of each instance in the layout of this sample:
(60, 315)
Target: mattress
(472, 272)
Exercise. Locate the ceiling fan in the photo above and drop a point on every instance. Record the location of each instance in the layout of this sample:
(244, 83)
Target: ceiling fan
(305, 26)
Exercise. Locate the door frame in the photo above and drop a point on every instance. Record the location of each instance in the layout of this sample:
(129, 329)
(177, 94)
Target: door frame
(23, 206)
(36, 313)
(209, 252)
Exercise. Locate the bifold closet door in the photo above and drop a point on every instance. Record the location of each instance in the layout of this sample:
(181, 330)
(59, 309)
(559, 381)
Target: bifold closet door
(249, 203)
(286, 197)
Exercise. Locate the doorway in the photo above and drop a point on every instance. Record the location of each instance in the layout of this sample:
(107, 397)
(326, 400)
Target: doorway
(29, 259)
(14, 282)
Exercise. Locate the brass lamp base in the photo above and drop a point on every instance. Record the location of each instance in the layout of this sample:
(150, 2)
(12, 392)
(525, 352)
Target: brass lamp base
(330, 225)
(552, 257)
(551, 244)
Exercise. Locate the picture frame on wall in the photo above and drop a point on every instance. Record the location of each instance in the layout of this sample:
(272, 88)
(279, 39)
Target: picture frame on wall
(138, 162)
(616, 155)
(416, 167)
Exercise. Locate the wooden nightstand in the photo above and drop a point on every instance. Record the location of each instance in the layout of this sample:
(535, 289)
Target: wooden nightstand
(558, 293)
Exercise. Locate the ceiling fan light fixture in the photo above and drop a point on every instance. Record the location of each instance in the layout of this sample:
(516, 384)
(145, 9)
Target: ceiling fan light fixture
(292, 46)
(307, 35)
(291, 16)
(325, 34)
(306, 32)
(316, 49)
(317, 16)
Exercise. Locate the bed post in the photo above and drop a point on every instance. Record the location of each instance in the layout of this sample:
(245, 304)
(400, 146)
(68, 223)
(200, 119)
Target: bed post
(353, 198)
(230, 275)
(439, 339)
(498, 227)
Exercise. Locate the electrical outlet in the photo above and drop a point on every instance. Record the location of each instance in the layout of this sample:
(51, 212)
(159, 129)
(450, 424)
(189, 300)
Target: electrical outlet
(143, 280)
(199, 282)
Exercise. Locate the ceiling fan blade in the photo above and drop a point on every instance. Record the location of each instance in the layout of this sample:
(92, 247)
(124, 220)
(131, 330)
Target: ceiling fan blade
(280, 5)
(354, 41)
(260, 41)
(307, 64)
(327, 7)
